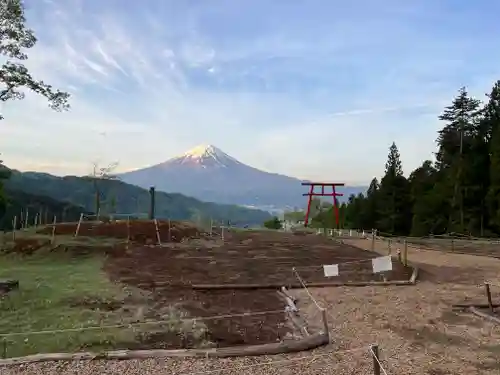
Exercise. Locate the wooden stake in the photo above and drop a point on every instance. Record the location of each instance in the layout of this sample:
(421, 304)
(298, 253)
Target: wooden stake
(157, 232)
(488, 295)
(128, 229)
(78, 225)
(169, 231)
(373, 239)
(376, 359)
(405, 254)
(325, 323)
(14, 227)
(26, 220)
(53, 237)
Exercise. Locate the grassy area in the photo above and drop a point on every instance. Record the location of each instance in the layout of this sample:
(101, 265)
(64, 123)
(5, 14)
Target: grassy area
(62, 290)
(50, 286)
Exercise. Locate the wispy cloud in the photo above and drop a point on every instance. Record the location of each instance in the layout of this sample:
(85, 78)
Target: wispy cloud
(287, 86)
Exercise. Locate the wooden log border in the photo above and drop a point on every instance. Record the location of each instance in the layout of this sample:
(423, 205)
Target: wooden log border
(289, 346)
(411, 281)
(466, 306)
(293, 315)
(484, 315)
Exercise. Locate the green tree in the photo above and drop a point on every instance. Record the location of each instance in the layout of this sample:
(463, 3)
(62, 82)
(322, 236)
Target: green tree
(273, 223)
(15, 39)
(491, 127)
(370, 207)
(4, 175)
(459, 192)
(455, 153)
(429, 210)
(393, 197)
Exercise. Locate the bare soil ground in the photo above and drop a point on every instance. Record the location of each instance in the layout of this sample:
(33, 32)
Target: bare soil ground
(166, 273)
(245, 257)
(139, 231)
(416, 329)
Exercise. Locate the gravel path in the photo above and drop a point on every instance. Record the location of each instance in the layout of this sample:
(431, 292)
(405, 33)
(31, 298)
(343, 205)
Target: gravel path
(413, 325)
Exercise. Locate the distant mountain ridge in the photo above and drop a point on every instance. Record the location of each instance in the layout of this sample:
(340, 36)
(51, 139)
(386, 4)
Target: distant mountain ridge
(120, 197)
(207, 173)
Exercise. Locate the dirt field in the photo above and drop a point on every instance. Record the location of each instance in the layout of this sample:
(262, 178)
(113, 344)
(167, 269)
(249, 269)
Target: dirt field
(415, 328)
(245, 257)
(139, 231)
(167, 273)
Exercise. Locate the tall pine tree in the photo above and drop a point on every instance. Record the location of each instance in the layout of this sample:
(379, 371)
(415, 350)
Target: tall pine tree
(454, 142)
(393, 197)
(491, 127)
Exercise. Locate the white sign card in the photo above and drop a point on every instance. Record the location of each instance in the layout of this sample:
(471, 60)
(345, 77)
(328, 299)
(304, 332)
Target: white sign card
(382, 264)
(331, 270)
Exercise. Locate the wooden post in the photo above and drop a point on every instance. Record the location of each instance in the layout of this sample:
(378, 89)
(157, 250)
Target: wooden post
(152, 203)
(405, 254)
(376, 359)
(26, 220)
(157, 232)
(325, 323)
(78, 225)
(14, 227)
(373, 239)
(169, 231)
(52, 238)
(488, 295)
(389, 247)
(128, 229)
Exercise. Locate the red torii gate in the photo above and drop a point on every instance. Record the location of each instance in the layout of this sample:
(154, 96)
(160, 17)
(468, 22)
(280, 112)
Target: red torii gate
(312, 194)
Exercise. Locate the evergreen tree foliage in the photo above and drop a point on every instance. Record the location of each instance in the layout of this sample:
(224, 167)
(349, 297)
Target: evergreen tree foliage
(273, 223)
(458, 192)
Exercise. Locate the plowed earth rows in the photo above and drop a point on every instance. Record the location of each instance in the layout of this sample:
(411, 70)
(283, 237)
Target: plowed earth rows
(248, 257)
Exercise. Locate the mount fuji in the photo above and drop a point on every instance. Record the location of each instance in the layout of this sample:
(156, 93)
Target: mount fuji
(209, 174)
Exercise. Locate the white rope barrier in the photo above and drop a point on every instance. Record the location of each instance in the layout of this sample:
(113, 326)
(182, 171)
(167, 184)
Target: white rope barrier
(378, 361)
(130, 325)
(307, 290)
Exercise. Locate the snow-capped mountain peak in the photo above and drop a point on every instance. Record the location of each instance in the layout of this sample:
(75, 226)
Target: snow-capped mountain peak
(206, 155)
(201, 151)
(209, 174)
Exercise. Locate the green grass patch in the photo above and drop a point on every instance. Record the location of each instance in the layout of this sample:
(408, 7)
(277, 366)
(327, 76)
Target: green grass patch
(50, 283)
(60, 290)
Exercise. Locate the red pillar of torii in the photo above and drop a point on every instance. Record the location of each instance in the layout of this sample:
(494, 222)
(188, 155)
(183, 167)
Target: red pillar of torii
(312, 194)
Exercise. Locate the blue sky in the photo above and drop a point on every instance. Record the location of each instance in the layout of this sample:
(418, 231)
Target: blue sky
(313, 89)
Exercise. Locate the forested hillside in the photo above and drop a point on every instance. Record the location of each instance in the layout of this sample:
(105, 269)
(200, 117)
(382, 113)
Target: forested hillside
(457, 192)
(118, 197)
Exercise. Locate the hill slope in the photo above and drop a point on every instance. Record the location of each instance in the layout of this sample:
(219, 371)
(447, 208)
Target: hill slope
(121, 197)
(208, 173)
(45, 207)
